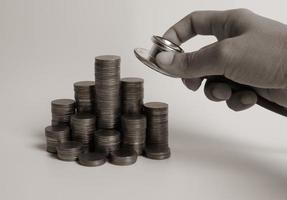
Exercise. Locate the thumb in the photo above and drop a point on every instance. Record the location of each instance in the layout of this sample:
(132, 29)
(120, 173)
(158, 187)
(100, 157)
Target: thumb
(207, 61)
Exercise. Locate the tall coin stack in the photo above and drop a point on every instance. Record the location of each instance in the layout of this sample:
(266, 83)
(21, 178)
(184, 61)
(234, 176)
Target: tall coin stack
(62, 110)
(55, 135)
(132, 91)
(84, 96)
(134, 132)
(107, 89)
(83, 127)
(157, 130)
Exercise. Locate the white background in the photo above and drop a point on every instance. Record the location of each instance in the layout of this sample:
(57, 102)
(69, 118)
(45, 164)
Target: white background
(46, 45)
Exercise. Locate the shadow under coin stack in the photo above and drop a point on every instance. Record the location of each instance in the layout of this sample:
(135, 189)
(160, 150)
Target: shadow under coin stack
(107, 89)
(84, 96)
(83, 127)
(55, 135)
(157, 130)
(62, 110)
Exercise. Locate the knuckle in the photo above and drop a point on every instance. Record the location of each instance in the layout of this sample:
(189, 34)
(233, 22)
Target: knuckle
(223, 50)
(240, 12)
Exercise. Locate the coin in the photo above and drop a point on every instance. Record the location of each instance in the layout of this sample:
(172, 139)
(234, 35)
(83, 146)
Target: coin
(157, 146)
(107, 140)
(107, 90)
(132, 95)
(69, 151)
(123, 157)
(85, 96)
(134, 132)
(62, 109)
(55, 135)
(157, 152)
(92, 159)
(83, 127)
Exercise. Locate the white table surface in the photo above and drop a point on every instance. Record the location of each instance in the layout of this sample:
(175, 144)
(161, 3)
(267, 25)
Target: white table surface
(216, 153)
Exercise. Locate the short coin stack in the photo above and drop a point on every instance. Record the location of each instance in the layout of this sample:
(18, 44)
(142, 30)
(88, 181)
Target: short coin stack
(123, 157)
(55, 135)
(69, 151)
(92, 159)
(62, 109)
(134, 132)
(83, 127)
(107, 140)
(84, 96)
(107, 89)
(157, 130)
(132, 95)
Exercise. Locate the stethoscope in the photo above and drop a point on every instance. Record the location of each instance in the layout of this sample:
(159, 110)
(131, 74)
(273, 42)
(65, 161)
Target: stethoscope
(161, 44)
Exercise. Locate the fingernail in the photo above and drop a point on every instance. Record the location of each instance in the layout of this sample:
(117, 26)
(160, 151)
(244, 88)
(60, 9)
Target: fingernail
(192, 84)
(164, 58)
(219, 94)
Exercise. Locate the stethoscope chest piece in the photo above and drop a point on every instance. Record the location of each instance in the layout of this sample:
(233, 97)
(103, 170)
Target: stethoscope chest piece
(160, 44)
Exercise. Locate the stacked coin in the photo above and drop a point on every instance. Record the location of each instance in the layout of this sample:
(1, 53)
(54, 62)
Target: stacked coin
(157, 130)
(55, 135)
(84, 96)
(62, 109)
(134, 132)
(107, 140)
(83, 127)
(107, 89)
(90, 159)
(69, 151)
(123, 157)
(132, 92)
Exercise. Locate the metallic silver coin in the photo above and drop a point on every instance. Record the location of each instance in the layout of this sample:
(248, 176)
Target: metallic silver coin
(134, 131)
(69, 151)
(62, 109)
(157, 152)
(123, 157)
(63, 102)
(107, 140)
(157, 130)
(55, 135)
(132, 94)
(91, 159)
(85, 96)
(107, 91)
(83, 127)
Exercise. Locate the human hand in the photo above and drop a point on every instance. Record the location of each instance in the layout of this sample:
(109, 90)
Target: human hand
(251, 50)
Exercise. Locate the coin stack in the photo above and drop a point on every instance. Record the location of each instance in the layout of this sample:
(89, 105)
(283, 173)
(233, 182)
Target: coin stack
(107, 140)
(132, 95)
(69, 151)
(83, 127)
(107, 89)
(62, 109)
(123, 157)
(157, 130)
(55, 135)
(134, 132)
(84, 96)
(92, 159)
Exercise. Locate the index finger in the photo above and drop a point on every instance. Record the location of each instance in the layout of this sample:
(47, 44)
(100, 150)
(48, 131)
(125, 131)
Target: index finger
(199, 22)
